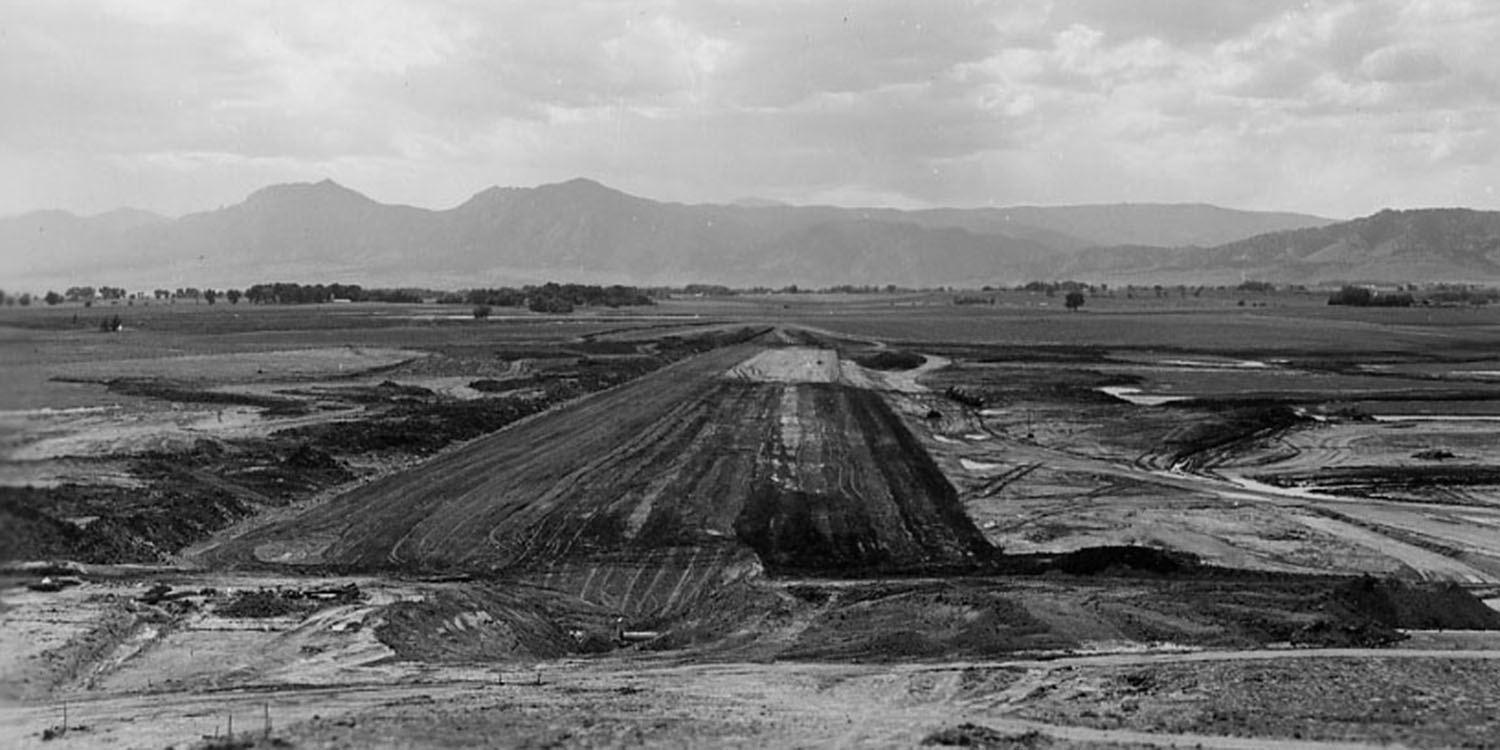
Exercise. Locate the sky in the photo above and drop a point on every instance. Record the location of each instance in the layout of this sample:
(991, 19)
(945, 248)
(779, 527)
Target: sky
(1338, 108)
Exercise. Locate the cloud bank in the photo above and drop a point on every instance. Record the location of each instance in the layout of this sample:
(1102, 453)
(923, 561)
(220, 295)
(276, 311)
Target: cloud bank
(1339, 107)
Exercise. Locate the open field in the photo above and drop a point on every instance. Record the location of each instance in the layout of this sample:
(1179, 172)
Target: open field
(779, 520)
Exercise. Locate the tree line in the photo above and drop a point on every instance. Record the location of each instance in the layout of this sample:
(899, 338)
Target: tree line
(552, 297)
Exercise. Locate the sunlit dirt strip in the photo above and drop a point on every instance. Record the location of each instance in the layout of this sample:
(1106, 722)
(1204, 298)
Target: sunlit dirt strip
(884, 705)
(643, 496)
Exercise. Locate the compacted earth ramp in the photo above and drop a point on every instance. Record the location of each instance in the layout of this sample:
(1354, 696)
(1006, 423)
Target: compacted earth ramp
(644, 496)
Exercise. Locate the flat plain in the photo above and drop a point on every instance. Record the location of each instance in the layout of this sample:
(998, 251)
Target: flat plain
(880, 520)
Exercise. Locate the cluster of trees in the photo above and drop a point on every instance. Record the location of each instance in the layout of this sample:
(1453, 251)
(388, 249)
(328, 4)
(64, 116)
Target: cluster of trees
(11, 300)
(1159, 291)
(1360, 296)
(720, 290)
(1440, 294)
(89, 294)
(553, 298)
(288, 293)
(1459, 294)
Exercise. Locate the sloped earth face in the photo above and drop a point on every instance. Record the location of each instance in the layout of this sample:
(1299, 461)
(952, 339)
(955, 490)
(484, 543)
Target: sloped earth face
(643, 497)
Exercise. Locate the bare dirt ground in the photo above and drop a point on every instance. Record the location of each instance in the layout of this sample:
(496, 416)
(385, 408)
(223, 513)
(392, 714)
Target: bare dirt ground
(766, 532)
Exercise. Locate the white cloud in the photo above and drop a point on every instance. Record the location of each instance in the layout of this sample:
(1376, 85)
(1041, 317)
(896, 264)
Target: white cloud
(1333, 106)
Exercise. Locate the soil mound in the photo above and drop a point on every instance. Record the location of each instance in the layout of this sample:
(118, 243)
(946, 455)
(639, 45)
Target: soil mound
(985, 738)
(1397, 604)
(493, 623)
(1125, 560)
(891, 360)
(643, 495)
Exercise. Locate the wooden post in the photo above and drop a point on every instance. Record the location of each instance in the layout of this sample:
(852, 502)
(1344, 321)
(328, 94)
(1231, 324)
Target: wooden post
(267, 708)
(230, 733)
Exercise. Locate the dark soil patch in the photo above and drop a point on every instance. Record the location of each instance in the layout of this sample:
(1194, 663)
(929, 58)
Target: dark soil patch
(286, 601)
(125, 525)
(1397, 604)
(1121, 560)
(187, 394)
(985, 738)
(1200, 441)
(891, 360)
(1425, 483)
(259, 604)
(490, 385)
(1434, 454)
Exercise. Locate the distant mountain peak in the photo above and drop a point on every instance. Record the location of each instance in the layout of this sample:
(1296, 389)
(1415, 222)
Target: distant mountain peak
(322, 190)
(580, 186)
(754, 202)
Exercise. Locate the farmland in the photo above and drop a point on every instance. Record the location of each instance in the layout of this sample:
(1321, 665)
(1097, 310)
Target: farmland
(779, 519)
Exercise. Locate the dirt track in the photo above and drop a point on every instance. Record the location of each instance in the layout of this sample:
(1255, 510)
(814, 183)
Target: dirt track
(579, 703)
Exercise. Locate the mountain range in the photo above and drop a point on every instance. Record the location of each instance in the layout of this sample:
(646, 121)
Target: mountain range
(582, 231)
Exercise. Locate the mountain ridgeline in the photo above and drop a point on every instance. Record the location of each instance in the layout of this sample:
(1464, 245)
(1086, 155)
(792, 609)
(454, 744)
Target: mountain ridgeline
(582, 231)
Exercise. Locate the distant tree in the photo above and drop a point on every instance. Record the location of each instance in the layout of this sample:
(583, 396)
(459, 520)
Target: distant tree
(52, 298)
(24, 299)
(210, 296)
(482, 311)
(1356, 296)
(1074, 300)
(233, 295)
(545, 303)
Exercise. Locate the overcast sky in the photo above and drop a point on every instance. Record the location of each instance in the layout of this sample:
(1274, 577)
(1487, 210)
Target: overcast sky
(1339, 108)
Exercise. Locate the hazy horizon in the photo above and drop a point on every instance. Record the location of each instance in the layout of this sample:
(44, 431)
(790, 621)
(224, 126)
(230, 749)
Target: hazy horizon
(749, 200)
(1333, 108)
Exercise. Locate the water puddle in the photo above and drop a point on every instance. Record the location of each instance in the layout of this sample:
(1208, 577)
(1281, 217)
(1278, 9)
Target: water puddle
(1135, 396)
(979, 465)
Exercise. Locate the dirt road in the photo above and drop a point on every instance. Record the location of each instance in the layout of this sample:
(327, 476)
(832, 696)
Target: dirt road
(646, 702)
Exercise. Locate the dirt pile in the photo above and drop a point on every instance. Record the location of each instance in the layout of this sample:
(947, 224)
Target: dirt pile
(1205, 437)
(282, 602)
(493, 623)
(808, 476)
(1125, 560)
(1398, 604)
(109, 524)
(891, 360)
(985, 738)
(895, 622)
